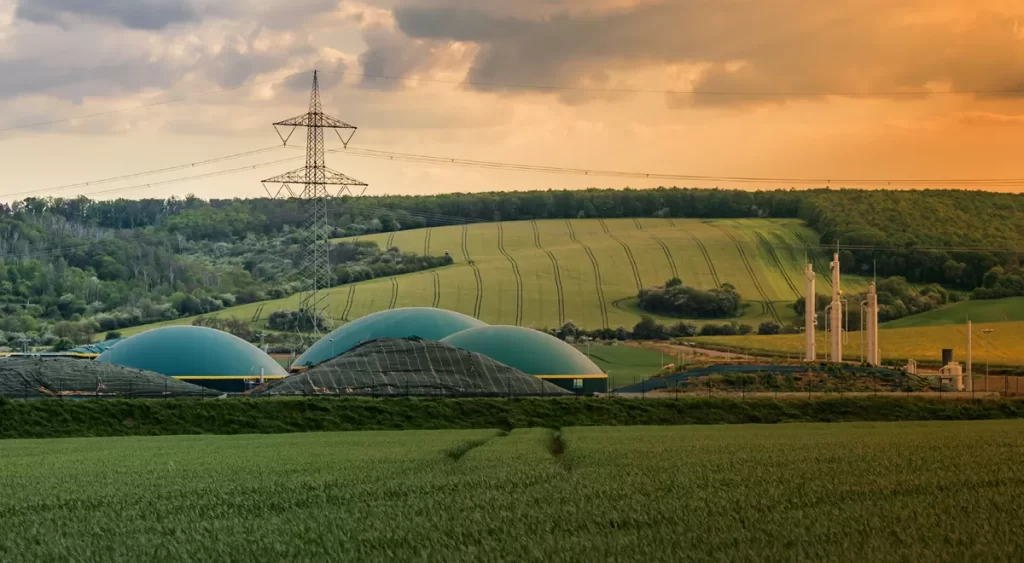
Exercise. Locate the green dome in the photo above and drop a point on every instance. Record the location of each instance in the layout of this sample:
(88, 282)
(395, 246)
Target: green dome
(191, 351)
(528, 350)
(423, 322)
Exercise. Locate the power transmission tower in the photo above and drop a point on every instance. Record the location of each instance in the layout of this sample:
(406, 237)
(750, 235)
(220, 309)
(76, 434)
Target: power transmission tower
(315, 177)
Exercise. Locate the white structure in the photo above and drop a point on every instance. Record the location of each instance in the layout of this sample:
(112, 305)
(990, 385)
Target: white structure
(952, 373)
(970, 374)
(836, 312)
(874, 357)
(810, 316)
(912, 367)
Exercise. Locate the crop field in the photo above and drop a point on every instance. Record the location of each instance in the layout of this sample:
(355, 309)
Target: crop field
(857, 491)
(588, 271)
(919, 343)
(981, 311)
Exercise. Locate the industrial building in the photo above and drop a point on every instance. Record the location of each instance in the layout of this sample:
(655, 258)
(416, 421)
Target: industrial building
(411, 367)
(536, 353)
(199, 355)
(421, 322)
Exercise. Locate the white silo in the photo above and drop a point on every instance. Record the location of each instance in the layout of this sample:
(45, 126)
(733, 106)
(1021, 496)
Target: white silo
(874, 358)
(836, 312)
(810, 316)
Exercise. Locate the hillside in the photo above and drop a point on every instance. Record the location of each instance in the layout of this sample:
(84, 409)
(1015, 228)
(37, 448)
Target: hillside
(980, 311)
(588, 271)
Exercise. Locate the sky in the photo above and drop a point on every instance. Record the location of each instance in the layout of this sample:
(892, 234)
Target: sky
(861, 91)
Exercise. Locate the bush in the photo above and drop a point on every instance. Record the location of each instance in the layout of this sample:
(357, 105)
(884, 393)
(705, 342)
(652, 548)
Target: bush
(677, 300)
(63, 344)
(112, 335)
(769, 327)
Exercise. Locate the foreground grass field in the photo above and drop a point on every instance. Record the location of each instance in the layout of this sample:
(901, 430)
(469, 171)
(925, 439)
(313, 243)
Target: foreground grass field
(588, 271)
(867, 492)
(920, 343)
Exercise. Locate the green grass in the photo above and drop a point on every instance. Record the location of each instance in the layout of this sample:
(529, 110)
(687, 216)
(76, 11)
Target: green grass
(1010, 309)
(600, 266)
(864, 492)
(625, 364)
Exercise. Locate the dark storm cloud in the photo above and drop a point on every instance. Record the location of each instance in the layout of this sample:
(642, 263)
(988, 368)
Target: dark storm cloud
(134, 14)
(784, 48)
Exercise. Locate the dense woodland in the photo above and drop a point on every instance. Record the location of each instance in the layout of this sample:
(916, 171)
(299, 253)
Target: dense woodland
(71, 267)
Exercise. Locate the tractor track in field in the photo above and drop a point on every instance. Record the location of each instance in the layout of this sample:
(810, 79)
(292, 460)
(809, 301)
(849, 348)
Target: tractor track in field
(767, 244)
(668, 255)
(598, 284)
(671, 223)
(348, 303)
(707, 259)
(816, 263)
(557, 273)
(394, 293)
(515, 272)
(639, 226)
(426, 242)
(391, 240)
(478, 303)
(629, 255)
(767, 305)
(437, 289)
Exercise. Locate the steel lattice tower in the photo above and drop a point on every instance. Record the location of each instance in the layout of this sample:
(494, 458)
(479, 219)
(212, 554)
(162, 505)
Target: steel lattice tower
(315, 178)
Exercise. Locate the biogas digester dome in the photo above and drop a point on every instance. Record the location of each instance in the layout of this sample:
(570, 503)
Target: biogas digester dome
(533, 352)
(206, 356)
(426, 323)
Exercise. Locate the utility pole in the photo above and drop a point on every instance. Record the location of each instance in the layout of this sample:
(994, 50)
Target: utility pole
(315, 177)
(987, 332)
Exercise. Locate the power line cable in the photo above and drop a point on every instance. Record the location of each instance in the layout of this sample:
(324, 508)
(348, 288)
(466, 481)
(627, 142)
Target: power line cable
(750, 93)
(519, 167)
(198, 163)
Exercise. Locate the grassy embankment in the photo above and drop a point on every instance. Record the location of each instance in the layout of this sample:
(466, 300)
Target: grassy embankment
(852, 492)
(53, 418)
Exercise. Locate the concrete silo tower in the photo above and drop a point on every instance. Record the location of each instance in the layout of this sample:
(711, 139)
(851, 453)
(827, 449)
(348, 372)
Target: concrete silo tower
(874, 357)
(836, 312)
(810, 316)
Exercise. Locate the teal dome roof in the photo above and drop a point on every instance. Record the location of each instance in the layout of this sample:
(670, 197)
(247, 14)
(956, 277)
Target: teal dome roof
(191, 350)
(423, 322)
(528, 350)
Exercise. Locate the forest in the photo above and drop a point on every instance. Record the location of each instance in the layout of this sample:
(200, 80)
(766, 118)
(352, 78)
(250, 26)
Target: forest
(71, 266)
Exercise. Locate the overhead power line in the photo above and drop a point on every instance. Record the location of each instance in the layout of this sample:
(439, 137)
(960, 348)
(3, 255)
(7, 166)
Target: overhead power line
(738, 93)
(111, 179)
(822, 181)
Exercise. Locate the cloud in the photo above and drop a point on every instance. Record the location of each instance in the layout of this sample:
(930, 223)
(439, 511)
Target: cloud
(134, 14)
(787, 49)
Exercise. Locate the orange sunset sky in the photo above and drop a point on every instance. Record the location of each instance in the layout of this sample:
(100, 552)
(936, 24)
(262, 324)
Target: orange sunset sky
(791, 88)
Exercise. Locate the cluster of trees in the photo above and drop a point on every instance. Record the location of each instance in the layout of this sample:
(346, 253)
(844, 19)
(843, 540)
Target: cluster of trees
(650, 329)
(677, 300)
(896, 299)
(1001, 282)
(359, 261)
(297, 321)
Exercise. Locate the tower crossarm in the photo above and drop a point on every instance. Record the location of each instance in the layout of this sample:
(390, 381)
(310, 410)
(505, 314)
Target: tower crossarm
(300, 175)
(319, 120)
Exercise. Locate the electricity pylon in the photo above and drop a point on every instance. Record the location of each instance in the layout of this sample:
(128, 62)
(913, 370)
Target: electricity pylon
(315, 177)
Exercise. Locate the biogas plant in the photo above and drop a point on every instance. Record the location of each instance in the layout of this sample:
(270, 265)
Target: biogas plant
(416, 351)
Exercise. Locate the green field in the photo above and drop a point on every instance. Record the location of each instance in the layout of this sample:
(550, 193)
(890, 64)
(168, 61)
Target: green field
(625, 364)
(588, 271)
(980, 311)
(866, 492)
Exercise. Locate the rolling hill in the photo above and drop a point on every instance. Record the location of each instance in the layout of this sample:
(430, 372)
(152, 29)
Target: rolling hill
(588, 271)
(980, 311)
